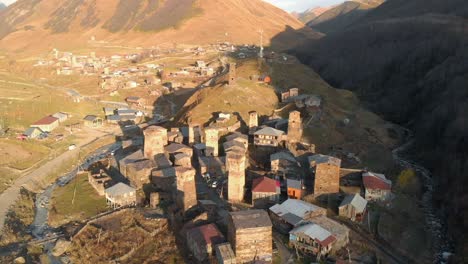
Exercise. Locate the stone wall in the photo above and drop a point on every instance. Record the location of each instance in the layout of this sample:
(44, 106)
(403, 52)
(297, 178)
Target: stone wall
(327, 179)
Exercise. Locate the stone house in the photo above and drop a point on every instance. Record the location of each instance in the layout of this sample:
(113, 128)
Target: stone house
(338, 230)
(121, 195)
(238, 137)
(265, 191)
(47, 124)
(99, 181)
(202, 240)
(376, 186)
(268, 137)
(250, 234)
(139, 172)
(292, 213)
(225, 254)
(312, 239)
(164, 179)
(326, 171)
(136, 101)
(353, 207)
(283, 162)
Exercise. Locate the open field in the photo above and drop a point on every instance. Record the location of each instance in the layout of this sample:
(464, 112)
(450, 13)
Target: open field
(67, 207)
(21, 155)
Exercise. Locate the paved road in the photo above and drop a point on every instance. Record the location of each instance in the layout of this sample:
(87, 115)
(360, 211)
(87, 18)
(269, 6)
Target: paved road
(10, 195)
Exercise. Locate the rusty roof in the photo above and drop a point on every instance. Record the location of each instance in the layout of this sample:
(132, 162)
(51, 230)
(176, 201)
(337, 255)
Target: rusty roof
(206, 234)
(46, 121)
(264, 185)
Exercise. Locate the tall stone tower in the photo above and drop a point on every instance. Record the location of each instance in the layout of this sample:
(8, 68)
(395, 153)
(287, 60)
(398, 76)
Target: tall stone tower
(235, 166)
(191, 134)
(186, 193)
(232, 74)
(326, 170)
(295, 127)
(155, 140)
(253, 122)
(211, 141)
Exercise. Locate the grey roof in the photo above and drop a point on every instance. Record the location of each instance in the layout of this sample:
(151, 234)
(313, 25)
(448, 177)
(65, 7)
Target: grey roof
(269, 131)
(162, 161)
(114, 117)
(90, 118)
(355, 200)
(283, 156)
(250, 219)
(297, 208)
(126, 112)
(135, 156)
(237, 135)
(30, 131)
(175, 147)
(313, 230)
(319, 159)
(296, 184)
(60, 115)
(233, 144)
(119, 189)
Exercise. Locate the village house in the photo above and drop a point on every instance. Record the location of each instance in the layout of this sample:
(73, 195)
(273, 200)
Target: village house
(135, 101)
(250, 234)
(239, 137)
(33, 132)
(108, 111)
(62, 117)
(121, 195)
(312, 239)
(268, 137)
(338, 230)
(138, 173)
(353, 207)
(326, 171)
(265, 191)
(292, 213)
(289, 95)
(47, 124)
(225, 254)
(376, 186)
(202, 240)
(295, 188)
(92, 121)
(283, 163)
(99, 181)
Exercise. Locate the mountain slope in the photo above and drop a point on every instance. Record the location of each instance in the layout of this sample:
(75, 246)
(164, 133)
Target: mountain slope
(341, 16)
(139, 22)
(311, 14)
(408, 61)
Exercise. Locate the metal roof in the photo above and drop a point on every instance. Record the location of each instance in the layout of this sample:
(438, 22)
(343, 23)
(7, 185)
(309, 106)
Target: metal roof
(298, 208)
(265, 185)
(373, 180)
(355, 200)
(269, 131)
(30, 131)
(46, 121)
(295, 184)
(283, 156)
(119, 189)
(316, 232)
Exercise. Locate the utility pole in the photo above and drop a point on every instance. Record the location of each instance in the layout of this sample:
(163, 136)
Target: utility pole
(260, 55)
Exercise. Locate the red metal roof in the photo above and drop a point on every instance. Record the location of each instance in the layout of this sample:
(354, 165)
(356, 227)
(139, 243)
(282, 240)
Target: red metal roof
(327, 241)
(207, 234)
(372, 181)
(264, 184)
(46, 121)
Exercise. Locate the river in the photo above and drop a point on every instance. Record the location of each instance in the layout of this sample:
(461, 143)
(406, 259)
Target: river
(40, 228)
(435, 225)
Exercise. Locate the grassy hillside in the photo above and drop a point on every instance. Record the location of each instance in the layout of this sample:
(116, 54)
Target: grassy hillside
(139, 23)
(416, 77)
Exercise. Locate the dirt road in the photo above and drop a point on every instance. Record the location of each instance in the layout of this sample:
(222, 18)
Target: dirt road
(10, 195)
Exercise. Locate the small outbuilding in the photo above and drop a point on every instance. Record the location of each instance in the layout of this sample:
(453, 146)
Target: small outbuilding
(353, 207)
(121, 195)
(92, 121)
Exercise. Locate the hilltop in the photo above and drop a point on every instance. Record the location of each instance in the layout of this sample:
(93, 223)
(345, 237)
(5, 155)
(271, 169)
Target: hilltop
(139, 23)
(311, 14)
(343, 15)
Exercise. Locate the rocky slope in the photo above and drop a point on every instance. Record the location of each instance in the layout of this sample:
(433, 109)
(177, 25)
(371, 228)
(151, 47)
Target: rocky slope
(311, 14)
(139, 22)
(408, 61)
(343, 15)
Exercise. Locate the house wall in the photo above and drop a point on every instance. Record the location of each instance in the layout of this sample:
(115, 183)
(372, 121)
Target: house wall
(327, 179)
(251, 243)
(377, 195)
(49, 127)
(294, 193)
(263, 199)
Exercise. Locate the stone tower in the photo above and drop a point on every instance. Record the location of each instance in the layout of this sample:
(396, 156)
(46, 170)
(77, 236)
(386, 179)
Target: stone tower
(235, 166)
(232, 74)
(186, 193)
(155, 140)
(211, 141)
(294, 127)
(191, 134)
(253, 122)
(326, 170)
